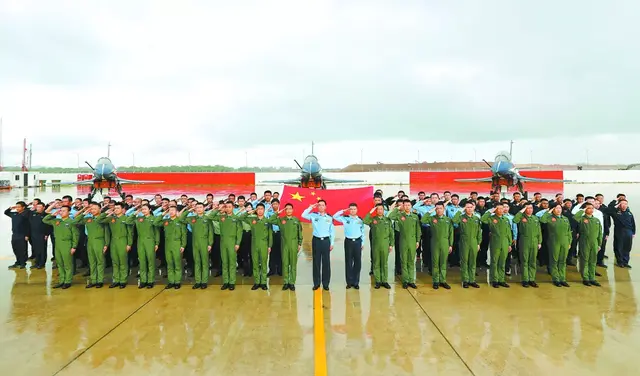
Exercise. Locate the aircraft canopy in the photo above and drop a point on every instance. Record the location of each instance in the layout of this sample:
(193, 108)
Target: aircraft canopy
(503, 156)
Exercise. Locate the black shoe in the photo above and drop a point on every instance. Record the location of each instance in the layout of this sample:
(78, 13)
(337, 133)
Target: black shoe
(628, 266)
(386, 285)
(255, 287)
(586, 283)
(620, 265)
(292, 287)
(232, 287)
(405, 285)
(285, 287)
(557, 284)
(595, 283)
(203, 286)
(196, 286)
(270, 274)
(445, 285)
(495, 285)
(316, 287)
(465, 285)
(348, 286)
(598, 274)
(371, 273)
(90, 285)
(525, 284)
(436, 286)
(99, 285)
(564, 284)
(142, 285)
(504, 284)
(264, 287)
(602, 265)
(14, 266)
(150, 285)
(413, 285)
(59, 285)
(224, 286)
(66, 286)
(114, 285)
(123, 285)
(177, 286)
(533, 284)
(169, 286)
(326, 288)
(377, 286)
(357, 287)
(474, 285)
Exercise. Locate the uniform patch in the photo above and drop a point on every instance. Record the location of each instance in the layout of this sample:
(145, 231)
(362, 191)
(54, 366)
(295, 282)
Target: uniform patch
(223, 219)
(113, 221)
(89, 220)
(402, 218)
(166, 223)
(193, 221)
(464, 220)
(254, 222)
(495, 221)
(435, 221)
(141, 220)
(524, 220)
(553, 219)
(57, 223)
(375, 222)
(586, 221)
(284, 222)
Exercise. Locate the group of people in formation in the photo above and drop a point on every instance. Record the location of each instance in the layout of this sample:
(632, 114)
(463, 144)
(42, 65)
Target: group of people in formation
(262, 239)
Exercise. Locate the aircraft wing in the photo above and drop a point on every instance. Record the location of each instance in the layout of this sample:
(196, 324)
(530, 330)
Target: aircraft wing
(121, 180)
(526, 179)
(83, 182)
(290, 181)
(475, 180)
(329, 180)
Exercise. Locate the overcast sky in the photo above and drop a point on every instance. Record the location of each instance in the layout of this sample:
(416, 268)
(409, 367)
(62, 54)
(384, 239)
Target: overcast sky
(213, 82)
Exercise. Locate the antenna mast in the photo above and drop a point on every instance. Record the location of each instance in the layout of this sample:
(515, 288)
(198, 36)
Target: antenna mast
(312, 148)
(109, 150)
(511, 149)
(24, 155)
(30, 154)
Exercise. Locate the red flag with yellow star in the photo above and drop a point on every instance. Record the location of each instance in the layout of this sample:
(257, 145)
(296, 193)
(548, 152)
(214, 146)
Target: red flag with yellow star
(337, 199)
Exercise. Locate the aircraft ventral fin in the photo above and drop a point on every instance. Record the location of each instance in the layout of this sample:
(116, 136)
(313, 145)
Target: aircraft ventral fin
(475, 180)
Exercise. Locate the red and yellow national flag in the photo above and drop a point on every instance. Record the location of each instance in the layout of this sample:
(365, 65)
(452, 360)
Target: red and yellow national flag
(337, 199)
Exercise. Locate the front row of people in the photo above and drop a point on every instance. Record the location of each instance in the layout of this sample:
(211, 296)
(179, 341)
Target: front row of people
(113, 230)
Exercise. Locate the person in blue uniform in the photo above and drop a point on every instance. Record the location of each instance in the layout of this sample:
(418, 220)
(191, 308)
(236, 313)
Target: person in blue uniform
(353, 244)
(20, 231)
(322, 243)
(623, 232)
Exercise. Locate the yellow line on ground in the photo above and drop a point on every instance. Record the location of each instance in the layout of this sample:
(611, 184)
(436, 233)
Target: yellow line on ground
(320, 350)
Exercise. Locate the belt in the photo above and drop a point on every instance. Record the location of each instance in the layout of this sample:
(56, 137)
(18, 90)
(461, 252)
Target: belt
(276, 230)
(353, 239)
(323, 238)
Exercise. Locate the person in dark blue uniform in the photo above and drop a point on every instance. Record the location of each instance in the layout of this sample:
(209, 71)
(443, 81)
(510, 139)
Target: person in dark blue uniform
(20, 233)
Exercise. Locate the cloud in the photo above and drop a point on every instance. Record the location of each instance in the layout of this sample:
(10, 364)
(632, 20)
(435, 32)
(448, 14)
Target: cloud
(217, 79)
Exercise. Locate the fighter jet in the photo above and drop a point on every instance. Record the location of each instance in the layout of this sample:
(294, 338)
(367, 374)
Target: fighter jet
(311, 175)
(105, 176)
(505, 174)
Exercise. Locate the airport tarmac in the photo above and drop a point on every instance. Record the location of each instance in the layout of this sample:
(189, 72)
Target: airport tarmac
(568, 331)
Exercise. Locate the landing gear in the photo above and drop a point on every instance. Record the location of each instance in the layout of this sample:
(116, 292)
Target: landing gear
(120, 192)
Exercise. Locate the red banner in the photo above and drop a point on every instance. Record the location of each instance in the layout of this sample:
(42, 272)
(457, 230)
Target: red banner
(337, 199)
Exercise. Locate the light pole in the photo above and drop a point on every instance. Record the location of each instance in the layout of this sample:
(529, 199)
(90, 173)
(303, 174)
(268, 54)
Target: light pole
(531, 156)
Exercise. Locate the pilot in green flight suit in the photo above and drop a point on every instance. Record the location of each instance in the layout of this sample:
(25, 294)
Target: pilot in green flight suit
(589, 241)
(441, 244)
(120, 244)
(410, 233)
(230, 238)
(66, 237)
(201, 240)
(382, 240)
(529, 242)
(500, 244)
(261, 242)
(175, 241)
(98, 239)
(148, 241)
(559, 240)
(470, 239)
(291, 243)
